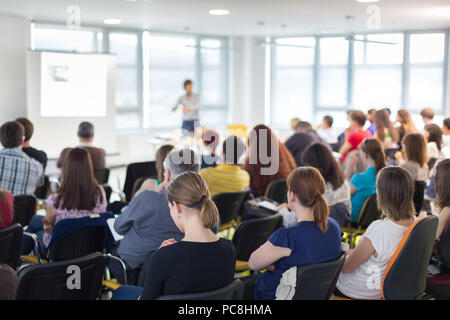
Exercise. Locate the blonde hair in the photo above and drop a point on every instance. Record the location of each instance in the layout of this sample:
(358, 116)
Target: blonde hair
(190, 190)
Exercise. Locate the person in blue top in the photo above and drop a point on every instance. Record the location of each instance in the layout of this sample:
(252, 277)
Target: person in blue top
(315, 238)
(363, 184)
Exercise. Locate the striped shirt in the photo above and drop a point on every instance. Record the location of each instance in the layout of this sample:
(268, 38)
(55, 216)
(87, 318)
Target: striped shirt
(19, 173)
(225, 178)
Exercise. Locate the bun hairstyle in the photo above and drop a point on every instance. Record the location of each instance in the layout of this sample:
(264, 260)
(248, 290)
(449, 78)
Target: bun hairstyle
(190, 190)
(374, 149)
(309, 186)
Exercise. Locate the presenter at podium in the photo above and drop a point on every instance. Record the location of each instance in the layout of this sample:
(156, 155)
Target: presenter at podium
(191, 105)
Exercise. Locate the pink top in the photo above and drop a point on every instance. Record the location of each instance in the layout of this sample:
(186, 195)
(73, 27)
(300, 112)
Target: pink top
(61, 214)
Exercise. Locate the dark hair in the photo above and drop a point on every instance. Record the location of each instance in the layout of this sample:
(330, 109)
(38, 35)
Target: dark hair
(373, 148)
(435, 134)
(186, 83)
(160, 156)
(317, 155)
(442, 184)
(237, 149)
(446, 123)
(308, 186)
(359, 117)
(11, 134)
(28, 126)
(370, 111)
(415, 148)
(395, 192)
(210, 139)
(86, 130)
(328, 120)
(79, 189)
(427, 113)
(303, 125)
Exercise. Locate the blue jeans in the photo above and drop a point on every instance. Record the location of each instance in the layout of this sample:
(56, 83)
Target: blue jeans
(37, 227)
(189, 125)
(127, 293)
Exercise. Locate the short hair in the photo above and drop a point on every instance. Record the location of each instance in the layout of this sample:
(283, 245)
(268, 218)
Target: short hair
(86, 130)
(186, 83)
(395, 193)
(303, 125)
(370, 111)
(11, 134)
(238, 149)
(427, 113)
(28, 126)
(359, 117)
(329, 120)
(182, 160)
(446, 123)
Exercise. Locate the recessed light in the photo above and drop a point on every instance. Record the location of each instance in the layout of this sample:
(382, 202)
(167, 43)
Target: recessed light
(219, 12)
(367, 1)
(112, 21)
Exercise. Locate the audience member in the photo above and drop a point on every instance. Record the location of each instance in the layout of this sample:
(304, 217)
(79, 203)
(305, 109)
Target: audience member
(262, 164)
(19, 173)
(201, 261)
(370, 117)
(210, 140)
(395, 189)
(355, 134)
(326, 131)
(86, 137)
(446, 132)
(8, 280)
(160, 156)
(416, 157)
(39, 155)
(386, 133)
(6, 208)
(314, 239)
(442, 188)
(406, 123)
(433, 135)
(427, 115)
(228, 176)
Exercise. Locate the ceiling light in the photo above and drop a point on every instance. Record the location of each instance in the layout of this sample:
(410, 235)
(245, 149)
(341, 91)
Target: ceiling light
(219, 12)
(367, 1)
(112, 21)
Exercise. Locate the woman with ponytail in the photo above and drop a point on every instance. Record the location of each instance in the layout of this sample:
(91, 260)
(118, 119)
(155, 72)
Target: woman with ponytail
(201, 261)
(315, 238)
(363, 184)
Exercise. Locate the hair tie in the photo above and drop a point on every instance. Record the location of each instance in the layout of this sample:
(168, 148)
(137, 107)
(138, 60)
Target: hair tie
(203, 198)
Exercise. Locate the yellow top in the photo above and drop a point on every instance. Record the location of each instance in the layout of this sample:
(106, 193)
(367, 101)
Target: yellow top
(225, 178)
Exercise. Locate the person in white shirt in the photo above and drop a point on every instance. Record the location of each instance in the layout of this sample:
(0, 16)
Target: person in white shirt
(364, 267)
(433, 136)
(326, 131)
(446, 132)
(191, 106)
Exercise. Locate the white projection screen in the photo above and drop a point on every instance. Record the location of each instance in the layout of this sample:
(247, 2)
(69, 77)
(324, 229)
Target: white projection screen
(73, 85)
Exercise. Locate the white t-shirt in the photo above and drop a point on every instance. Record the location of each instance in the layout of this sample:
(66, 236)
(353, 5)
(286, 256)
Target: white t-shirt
(192, 102)
(446, 139)
(365, 281)
(328, 135)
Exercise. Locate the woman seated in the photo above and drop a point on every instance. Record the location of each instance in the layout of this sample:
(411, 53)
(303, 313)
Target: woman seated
(386, 133)
(201, 261)
(364, 266)
(314, 239)
(442, 188)
(433, 135)
(363, 185)
(78, 196)
(6, 208)
(416, 157)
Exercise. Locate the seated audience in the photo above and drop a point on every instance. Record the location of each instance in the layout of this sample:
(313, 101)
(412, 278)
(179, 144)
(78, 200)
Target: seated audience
(370, 117)
(19, 173)
(416, 158)
(433, 135)
(8, 280)
(314, 239)
(406, 123)
(228, 176)
(427, 115)
(160, 156)
(145, 223)
(386, 133)
(326, 131)
(6, 208)
(200, 261)
(268, 163)
(395, 190)
(39, 155)
(86, 137)
(355, 134)
(337, 188)
(364, 184)
(78, 196)
(446, 133)
(210, 140)
(442, 188)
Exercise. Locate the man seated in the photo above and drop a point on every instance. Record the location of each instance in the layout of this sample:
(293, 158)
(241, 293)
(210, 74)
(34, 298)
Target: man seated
(355, 134)
(19, 173)
(326, 131)
(146, 222)
(86, 136)
(228, 176)
(427, 115)
(39, 155)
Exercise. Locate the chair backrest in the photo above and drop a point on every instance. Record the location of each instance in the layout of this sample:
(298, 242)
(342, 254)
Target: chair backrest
(277, 191)
(24, 209)
(102, 175)
(419, 195)
(318, 281)
(238, 130)
(233, 291)
(369, 211)
(11, 245)
(230, 204)
(138, 170)
(405, 275)
(444, 246)
(251, 234)
(59, 280)
(43, 191)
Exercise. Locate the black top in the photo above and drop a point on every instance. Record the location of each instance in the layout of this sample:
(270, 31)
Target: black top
(39, 155)
(190, 267)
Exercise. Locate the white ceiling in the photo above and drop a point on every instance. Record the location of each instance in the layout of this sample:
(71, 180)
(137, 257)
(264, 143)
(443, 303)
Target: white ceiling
(297, 16)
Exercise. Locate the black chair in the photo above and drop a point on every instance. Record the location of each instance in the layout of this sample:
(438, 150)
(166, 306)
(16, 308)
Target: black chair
(50, 281)
(277, 191)
(138, 184)
(229, 205)
(42, 191)
(419, 195)
(318, 281)
(11, 245)
(431, 163)
(102, 175)
(233, 291)
(24, 209)
(250, 235)
(135, 171)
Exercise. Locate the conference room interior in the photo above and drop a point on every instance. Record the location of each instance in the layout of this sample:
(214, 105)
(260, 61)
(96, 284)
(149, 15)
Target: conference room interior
(116, 76)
